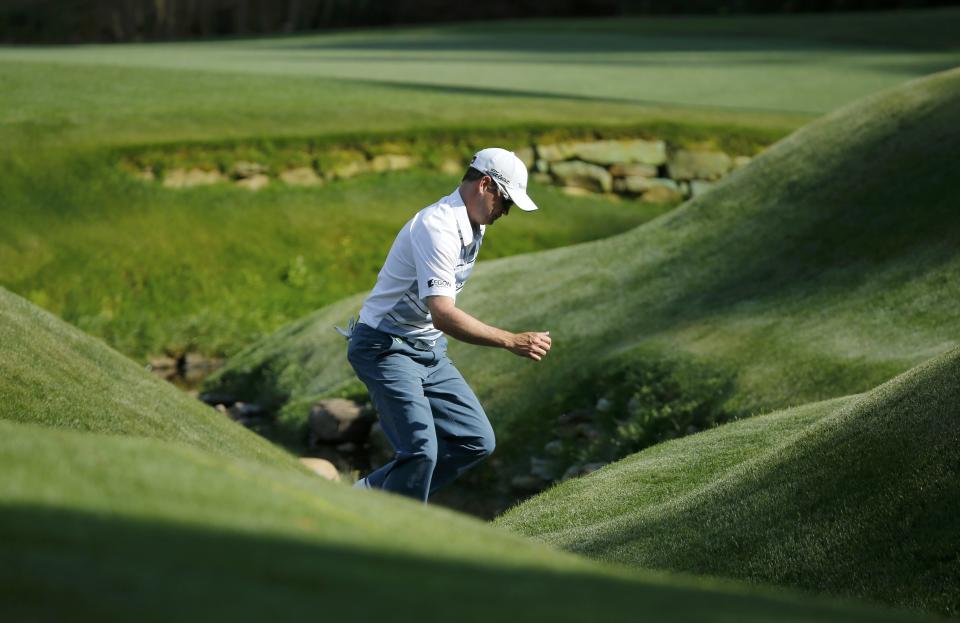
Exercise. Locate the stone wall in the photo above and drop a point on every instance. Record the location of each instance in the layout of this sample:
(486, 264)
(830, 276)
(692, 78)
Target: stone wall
(650, 170)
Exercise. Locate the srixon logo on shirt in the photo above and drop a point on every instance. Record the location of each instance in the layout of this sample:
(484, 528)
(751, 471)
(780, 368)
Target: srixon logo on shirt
(438, 283)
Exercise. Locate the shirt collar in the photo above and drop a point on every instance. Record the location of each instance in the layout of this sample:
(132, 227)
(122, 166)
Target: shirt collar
(463, 220)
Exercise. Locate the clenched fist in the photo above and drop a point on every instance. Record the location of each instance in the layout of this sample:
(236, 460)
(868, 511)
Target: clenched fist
(533, 344)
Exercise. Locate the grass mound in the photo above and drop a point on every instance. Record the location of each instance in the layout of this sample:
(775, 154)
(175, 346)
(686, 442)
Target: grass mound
(54, 375)
(857, 496)
(163, 513)
(824, 268)
(99, 526)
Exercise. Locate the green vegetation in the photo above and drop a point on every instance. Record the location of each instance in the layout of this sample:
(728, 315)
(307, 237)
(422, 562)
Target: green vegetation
(122, 498)
(739, 64)
(204, 269)
(803, 272)
(857, 496)
(52, 374)
(822, 269)
(214, 268)
(636, 400)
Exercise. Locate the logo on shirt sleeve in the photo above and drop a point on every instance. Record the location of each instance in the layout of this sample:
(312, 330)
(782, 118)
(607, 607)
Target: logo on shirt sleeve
(437, 283)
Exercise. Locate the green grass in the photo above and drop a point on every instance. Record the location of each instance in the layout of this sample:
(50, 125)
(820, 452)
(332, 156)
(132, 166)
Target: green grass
(54, 375)
(857, 496)
(59, 106)
(738, 64)
(823, 268)
(212, 269)
(152, 270)
(122, 498)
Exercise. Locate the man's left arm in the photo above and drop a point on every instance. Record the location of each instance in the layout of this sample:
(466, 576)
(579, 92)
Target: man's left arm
(464, 327)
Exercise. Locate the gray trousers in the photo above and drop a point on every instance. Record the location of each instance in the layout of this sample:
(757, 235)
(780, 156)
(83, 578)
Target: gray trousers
(431, 416)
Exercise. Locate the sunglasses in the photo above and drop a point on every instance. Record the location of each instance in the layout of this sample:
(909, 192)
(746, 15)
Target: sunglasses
(507, 201)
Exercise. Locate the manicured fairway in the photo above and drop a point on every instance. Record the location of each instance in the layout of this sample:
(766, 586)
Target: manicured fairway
(810, 66)
(803, 276)
(123, 499)
(857, 496)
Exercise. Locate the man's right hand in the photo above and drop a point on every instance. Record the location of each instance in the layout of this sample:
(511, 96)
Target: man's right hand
(532, 345)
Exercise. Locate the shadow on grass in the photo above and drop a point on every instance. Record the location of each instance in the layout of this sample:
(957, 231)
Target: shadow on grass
(59, 564)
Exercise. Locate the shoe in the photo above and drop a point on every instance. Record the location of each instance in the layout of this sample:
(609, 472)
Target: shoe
(362, 484)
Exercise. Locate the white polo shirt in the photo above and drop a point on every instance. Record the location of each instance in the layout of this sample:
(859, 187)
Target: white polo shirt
(432, 255)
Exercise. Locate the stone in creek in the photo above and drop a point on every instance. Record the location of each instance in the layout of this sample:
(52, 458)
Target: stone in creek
(321, 467)
(336, 421)
(699, 165)
(301, 176)
(187, 178)
(578, 174)
(391, 162)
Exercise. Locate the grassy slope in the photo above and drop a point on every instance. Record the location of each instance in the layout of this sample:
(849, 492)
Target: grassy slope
(823, 268)
(105, 527)
(857, 497)
(54, 375)
(121, 498)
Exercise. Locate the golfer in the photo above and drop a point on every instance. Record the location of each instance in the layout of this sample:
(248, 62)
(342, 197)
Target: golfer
(431, 416)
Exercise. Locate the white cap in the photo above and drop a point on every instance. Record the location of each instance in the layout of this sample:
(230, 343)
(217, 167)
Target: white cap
(509, 173)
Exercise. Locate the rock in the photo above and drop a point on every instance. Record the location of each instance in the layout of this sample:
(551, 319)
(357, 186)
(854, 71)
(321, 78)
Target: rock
(556, 152)
(573, 191)
(147, 175)
(162, 363)
(243, 169)
(527, 482)
(699, 165)
(576, 416)
(336, 421)
(391, 162)
(322, 468)
(572, 472)
(587, 431)
(577, 471)
(196, 360)
(541, 178)
(343, 163)
(543, 468)
(246, 411)
(453, 167)
(589, 468)
(254, 183)
(301, 176)
(214, 398)
(741, 161)
(625, 151)
(698, 187)
(640, 185)
(633, 170)
(662, 194)
(554, 448)
(577, 174)
(182, 178)
(526, 156)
